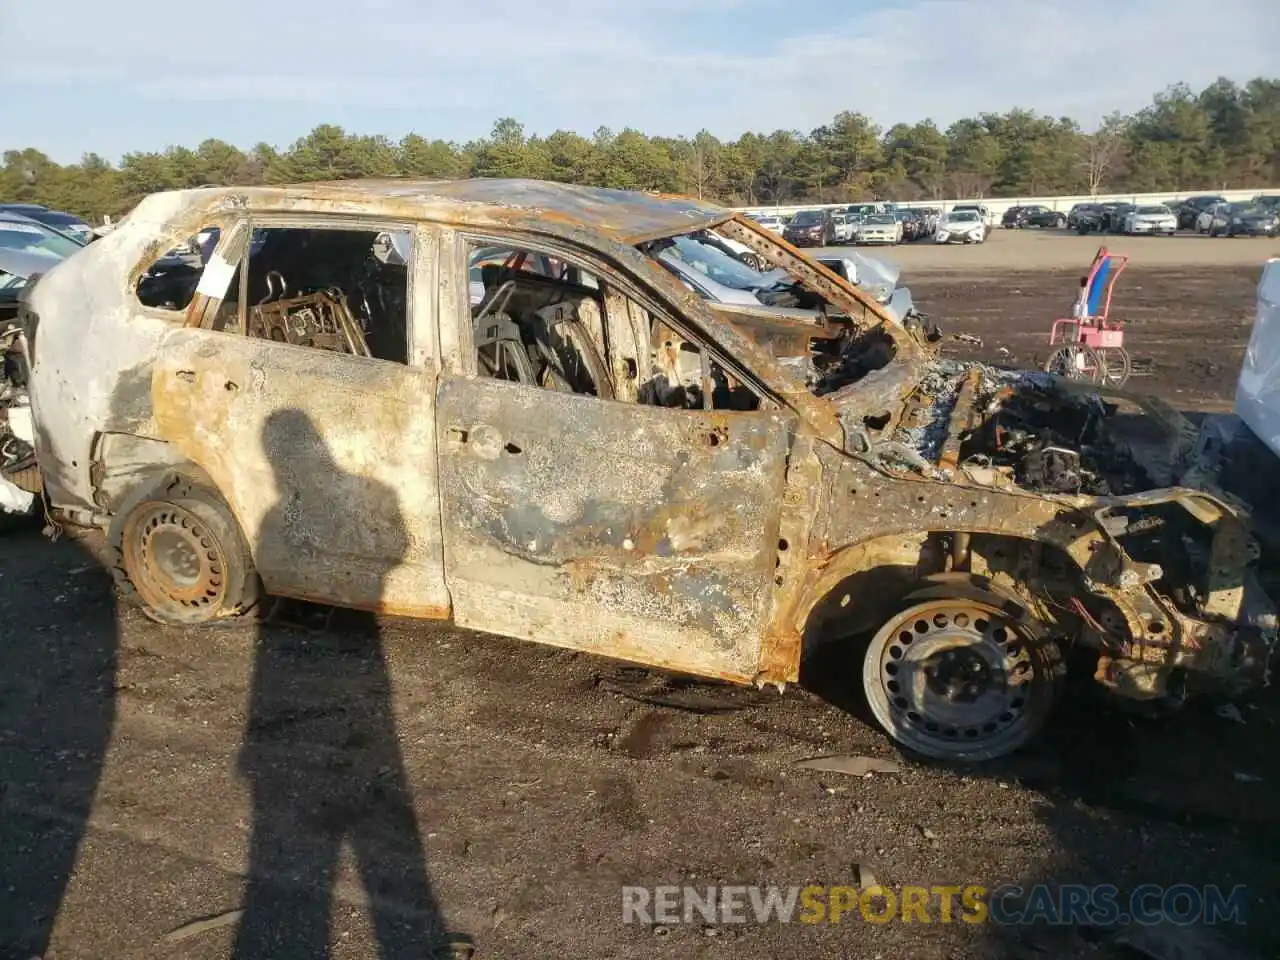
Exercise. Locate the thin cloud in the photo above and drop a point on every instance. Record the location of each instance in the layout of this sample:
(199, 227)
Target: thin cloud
(248, 70)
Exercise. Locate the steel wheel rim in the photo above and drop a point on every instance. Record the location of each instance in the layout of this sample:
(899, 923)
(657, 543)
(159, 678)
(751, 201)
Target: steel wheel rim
(953, 677)
(173, 560)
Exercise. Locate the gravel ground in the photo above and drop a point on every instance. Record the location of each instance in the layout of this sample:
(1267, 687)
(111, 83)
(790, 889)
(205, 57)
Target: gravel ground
(381, 788)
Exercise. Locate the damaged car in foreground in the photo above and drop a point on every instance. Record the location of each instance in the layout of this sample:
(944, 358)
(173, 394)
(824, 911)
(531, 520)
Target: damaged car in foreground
(593, 456)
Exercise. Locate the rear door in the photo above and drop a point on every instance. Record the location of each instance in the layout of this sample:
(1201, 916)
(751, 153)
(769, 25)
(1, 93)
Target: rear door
(326, 457)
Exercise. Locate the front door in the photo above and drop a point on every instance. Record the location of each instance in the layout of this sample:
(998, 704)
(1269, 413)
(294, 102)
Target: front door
(639, 532)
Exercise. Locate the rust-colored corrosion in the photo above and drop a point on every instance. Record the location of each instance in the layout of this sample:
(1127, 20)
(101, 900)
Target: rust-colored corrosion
(962, 417)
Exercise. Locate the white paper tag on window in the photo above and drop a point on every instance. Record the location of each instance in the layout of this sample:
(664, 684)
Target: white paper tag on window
(216, 277)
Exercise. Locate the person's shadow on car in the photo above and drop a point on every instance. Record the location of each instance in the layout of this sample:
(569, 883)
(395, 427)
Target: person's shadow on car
(322, 754)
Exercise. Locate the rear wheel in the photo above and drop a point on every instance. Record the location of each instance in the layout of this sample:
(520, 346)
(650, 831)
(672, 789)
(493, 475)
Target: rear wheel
(969, 677)
(1115, 364)
(181, 556)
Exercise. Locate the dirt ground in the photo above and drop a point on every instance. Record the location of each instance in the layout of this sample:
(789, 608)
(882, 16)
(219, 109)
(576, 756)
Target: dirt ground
(373, 789)
(1187, 302)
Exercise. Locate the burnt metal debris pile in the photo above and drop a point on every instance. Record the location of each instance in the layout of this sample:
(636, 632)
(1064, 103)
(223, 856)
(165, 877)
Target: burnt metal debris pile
(1020, 427)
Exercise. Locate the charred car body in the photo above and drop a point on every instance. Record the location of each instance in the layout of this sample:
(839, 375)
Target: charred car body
(597, 458)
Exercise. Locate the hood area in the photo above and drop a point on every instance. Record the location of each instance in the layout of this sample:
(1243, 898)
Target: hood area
(1013, 429)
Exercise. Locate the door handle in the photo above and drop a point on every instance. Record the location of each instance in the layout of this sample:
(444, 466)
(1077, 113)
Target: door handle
(186, 376)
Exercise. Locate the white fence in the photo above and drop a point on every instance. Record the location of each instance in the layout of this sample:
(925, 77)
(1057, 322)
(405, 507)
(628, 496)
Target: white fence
(999, 206)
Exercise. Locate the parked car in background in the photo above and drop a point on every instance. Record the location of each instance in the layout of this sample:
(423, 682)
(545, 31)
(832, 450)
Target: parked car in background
(770, 221)
(1152, 218)
(1082, 210)
(1114, 213)
(27, 247)
(1269, 200)
(928, 219)
(912, 229)
(1191, 208)
(1039, 215)
(867, 209)
(59, 220)
(843, 227)
(982, 210)
(961, 226)
(1205, 218)
(1245, 219)
(811, 228)
(1032, 215)
(879, 228)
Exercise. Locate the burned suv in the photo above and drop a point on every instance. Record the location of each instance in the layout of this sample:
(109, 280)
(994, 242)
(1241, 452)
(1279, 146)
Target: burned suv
(487, 401)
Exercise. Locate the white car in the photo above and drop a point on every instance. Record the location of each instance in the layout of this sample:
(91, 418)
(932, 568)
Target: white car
(1204, 220)
(982, 210)
(770, 222)
(878, 228)
(961, 226)
(844, 228)
(1154, 218)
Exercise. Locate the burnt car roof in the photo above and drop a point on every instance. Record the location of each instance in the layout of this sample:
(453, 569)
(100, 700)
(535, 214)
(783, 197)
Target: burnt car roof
(624, 215)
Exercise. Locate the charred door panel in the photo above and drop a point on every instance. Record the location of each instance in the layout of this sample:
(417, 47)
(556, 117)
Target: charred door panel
(637, 532)
(328, 461)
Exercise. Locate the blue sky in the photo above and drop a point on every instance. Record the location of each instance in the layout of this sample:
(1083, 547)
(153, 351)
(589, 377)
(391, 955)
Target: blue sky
(119, 75)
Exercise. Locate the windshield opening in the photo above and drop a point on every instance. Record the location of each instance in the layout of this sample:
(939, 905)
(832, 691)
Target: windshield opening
(1160, 210)
(710, 257)
(776, 307)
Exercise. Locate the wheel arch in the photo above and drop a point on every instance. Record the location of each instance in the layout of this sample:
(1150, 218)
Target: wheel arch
(866, 578)
(124, 463)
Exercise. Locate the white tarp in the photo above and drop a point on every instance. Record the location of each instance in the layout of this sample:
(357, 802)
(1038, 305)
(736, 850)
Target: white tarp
(1258, 390)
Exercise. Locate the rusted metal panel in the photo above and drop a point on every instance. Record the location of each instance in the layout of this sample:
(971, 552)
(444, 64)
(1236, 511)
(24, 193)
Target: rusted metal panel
(327, 461)
(962, 418)
(627, 325)
(801, 507)
(625, 215)
(882, 506)
(781, 336)
(637, 532)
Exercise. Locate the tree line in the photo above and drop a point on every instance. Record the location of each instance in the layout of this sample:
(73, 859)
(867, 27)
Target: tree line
(1226, 135)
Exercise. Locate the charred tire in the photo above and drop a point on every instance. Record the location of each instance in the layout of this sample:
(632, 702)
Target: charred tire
(961, 672)
(180, 556)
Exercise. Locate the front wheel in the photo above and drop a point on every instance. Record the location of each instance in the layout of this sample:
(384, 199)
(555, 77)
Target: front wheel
(967, 677)
(1076, 361)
